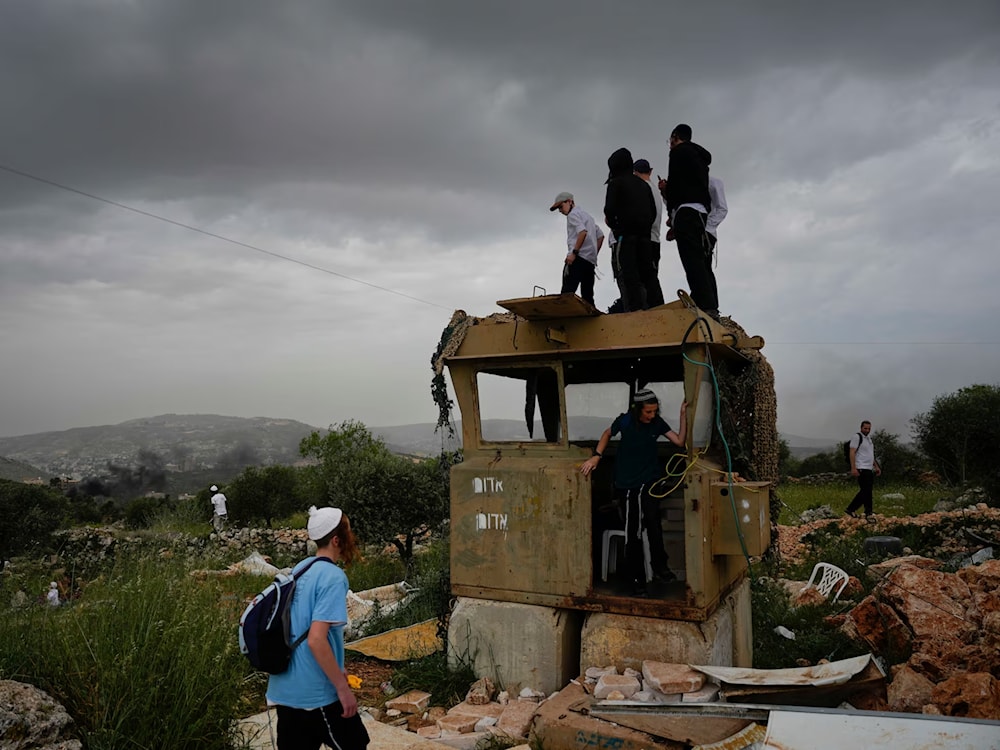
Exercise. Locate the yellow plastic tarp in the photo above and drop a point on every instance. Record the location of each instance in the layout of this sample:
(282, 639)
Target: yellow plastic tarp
(400, 644)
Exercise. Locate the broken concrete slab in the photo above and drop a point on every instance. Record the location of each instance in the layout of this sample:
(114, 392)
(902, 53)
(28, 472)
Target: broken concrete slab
(515, 721)
(626, 685)
(559, 725)
(671, 678)
(412, 702)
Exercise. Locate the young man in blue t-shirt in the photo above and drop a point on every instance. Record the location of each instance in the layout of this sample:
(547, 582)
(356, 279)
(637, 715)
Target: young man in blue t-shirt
(637, 467)
(315, 705)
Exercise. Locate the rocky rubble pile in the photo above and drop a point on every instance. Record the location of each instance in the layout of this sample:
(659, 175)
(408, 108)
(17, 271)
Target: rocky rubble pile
(484, 712)
(940, 630)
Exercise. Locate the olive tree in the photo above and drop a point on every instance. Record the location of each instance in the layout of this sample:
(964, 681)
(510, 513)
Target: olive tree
(960, 434)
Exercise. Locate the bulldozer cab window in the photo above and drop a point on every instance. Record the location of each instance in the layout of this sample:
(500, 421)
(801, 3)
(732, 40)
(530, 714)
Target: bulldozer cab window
(519, 404)
(671, 397)
(591, 407)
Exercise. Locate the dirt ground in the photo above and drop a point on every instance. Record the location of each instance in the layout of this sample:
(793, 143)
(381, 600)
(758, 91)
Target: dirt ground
(373, 672)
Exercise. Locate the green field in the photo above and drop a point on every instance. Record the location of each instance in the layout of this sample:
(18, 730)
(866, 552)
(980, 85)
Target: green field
(797, 498)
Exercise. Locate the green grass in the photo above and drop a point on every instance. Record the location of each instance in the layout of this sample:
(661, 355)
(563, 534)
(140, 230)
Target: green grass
(801, 497)
(145, 657)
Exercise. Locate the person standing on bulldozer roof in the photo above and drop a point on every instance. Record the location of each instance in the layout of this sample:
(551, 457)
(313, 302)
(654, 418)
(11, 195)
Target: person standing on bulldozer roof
(583, 242)
(686, 193)
(629, 211)
(637, 468)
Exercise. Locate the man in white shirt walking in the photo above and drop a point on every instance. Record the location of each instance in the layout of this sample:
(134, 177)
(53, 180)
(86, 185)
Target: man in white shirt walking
(583, 242)
(865, 467)
(219, 512)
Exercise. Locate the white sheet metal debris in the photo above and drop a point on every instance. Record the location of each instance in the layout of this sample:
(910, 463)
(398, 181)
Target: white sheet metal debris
(821, 729)
(833, 673)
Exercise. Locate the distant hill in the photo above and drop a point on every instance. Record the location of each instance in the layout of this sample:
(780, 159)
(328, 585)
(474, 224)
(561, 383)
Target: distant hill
(174, 442)
(18, 471)
(214, 445)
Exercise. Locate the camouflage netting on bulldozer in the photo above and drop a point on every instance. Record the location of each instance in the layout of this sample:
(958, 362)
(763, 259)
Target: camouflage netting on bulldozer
(451, 339)
(749, 414)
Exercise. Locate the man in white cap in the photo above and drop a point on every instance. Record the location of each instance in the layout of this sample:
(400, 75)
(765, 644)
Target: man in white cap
(637, 468)
(583, 242)
(219, 512)
(315, 705)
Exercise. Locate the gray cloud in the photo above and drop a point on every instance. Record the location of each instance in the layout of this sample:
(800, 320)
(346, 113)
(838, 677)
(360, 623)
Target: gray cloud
(416, 147)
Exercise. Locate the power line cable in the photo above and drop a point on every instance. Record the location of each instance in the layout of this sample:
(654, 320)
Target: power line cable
(238, 243)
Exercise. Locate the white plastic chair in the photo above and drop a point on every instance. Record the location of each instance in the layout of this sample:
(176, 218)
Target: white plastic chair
(826, 577)
(609, 552)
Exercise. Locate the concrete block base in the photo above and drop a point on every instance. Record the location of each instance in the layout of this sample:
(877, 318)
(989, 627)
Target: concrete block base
(725, 639)
(518, 645)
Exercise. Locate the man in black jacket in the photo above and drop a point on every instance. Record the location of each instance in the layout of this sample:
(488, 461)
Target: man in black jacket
(629, 210)
(685, 192)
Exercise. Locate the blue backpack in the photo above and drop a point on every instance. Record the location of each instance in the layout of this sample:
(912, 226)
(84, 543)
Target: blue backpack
(265, 626)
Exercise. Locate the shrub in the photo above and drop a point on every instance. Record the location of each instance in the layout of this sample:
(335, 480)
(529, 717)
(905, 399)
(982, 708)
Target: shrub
(28, 516)
(147, 657)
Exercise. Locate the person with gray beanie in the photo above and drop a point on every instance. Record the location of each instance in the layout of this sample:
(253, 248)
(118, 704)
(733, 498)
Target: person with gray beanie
(637, 468)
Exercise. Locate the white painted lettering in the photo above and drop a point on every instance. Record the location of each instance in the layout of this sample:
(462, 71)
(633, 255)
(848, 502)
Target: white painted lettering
(487, 484)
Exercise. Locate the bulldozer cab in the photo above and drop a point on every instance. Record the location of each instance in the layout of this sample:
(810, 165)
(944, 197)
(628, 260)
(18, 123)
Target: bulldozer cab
(536, 389)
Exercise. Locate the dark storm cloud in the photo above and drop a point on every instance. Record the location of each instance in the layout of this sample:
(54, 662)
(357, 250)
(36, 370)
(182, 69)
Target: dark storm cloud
(416, 146)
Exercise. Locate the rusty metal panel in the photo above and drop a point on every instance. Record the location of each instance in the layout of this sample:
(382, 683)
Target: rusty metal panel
(521, 527)
(743, 507)
(549, 306)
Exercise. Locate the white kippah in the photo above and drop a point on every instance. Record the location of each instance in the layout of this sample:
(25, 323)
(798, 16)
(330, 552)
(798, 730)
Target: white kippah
(322, 521)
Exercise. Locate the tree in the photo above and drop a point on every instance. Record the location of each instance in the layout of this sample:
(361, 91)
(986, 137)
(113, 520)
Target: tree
(788, 465)
(346, 454)
(28, 516)
(263, 494)
(960, 434)
(822, 463)
(389, 499)
(897, 461)
(407, 501)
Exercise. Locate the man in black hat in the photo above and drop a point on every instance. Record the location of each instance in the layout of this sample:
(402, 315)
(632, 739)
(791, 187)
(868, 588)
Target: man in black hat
(629, 210)
(685, 191)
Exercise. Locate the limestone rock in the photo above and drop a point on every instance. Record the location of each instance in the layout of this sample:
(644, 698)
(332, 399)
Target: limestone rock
(975, 695)
(481, 691)
(609, 683)
(413, 702)
(476, 710)
(671, 678)
(515, 720)
(708, 694)
(878, 625)
(909, 691)
(595, 673)
(30, 718)
(932, 603)
(453, 724)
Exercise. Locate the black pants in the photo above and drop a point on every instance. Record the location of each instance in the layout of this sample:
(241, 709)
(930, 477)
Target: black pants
(641, 512)
(579, 273)
(866, 482)
(696, 257)
(636, 275)
(307, 729)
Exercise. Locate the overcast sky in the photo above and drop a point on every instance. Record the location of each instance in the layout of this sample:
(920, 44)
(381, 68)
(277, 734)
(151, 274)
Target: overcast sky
(415, 147)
